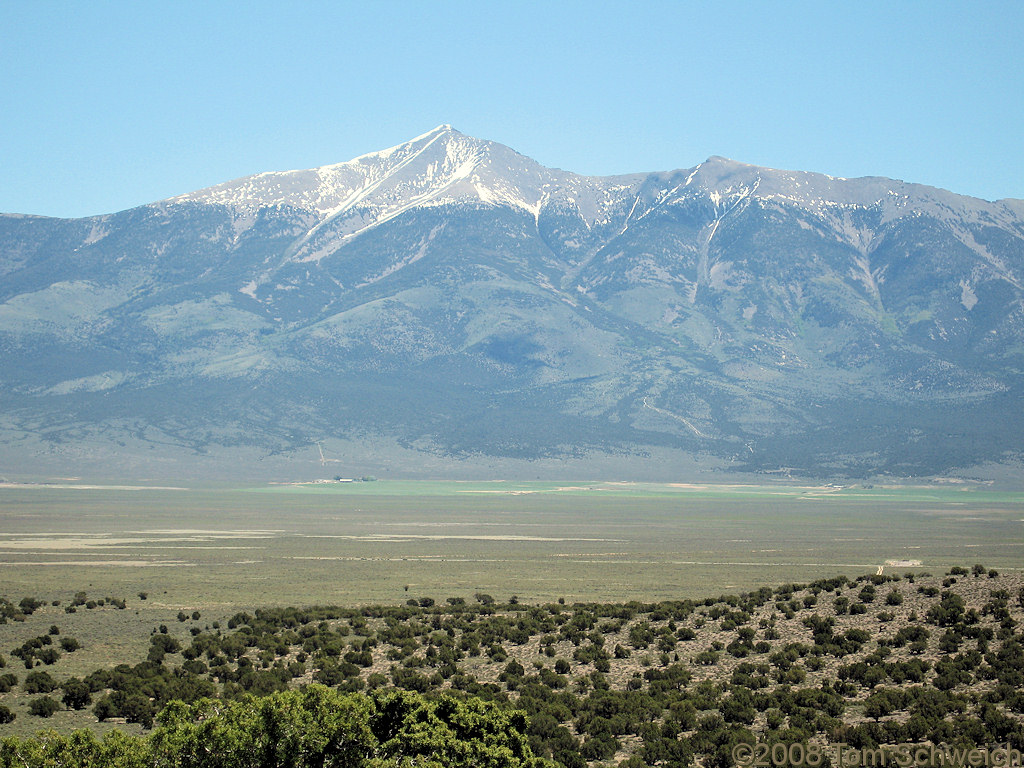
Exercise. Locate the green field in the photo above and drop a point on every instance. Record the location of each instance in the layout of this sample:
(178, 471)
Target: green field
(351, 543)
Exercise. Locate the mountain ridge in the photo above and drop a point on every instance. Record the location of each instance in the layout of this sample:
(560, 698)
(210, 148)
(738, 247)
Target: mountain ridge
(749, 317)
(732, 167)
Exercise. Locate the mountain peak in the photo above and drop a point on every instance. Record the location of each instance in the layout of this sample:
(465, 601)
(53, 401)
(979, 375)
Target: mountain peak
(325, 189)
(441, 164)
(417, 141)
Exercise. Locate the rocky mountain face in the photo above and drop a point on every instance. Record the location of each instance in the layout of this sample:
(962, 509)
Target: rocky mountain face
(455, 299)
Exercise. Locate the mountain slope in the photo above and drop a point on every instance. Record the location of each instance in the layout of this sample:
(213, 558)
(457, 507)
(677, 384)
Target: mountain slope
(456, 300)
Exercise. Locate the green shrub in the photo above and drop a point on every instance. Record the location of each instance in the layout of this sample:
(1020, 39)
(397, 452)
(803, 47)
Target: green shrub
(39, 682)
(44, 706)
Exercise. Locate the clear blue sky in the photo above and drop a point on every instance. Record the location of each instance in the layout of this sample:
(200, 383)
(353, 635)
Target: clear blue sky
(108, 105)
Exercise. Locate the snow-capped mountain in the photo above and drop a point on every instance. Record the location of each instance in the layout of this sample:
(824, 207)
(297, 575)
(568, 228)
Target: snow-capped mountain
(452, 298)
(442, 167)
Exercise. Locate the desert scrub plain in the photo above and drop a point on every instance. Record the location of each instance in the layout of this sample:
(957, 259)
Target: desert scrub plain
(220, 550)
(889, 658)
